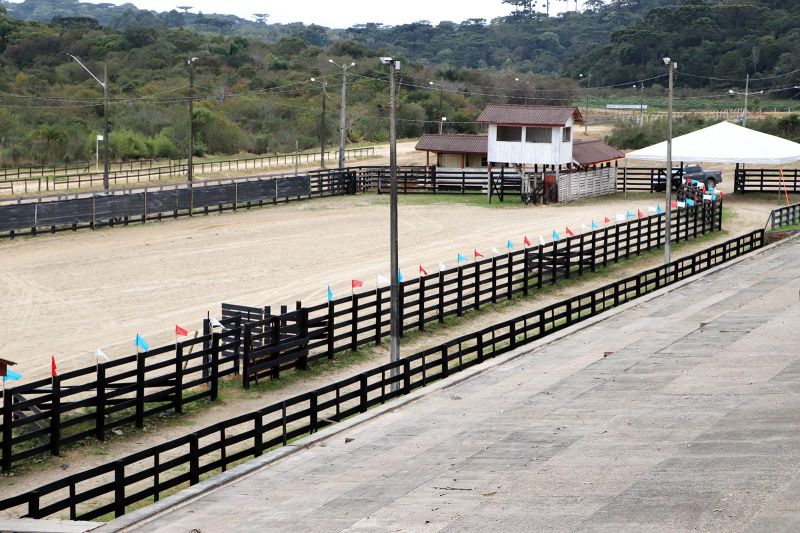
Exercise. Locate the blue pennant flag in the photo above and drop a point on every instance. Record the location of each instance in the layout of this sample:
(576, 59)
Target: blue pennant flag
(461, 258)
(510, 245)
(695, 183)
(11, 376)
(400, 277)
(658, 209)
(556, 237)
(330, 294)
(714, 197)
(594, 225)
(689, 202)
(141, 343)
(631, 214)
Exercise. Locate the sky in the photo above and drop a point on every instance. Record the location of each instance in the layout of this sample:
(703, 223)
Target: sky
(341, 13)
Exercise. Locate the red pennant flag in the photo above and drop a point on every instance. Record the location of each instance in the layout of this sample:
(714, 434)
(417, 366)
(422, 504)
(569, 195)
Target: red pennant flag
(569, 232)
(423, 271)
(673, 204)
(180, 331)
(53, 366)
(527, 241)
(639, 214)
(606, 220)
(476, 254)
(356, 283)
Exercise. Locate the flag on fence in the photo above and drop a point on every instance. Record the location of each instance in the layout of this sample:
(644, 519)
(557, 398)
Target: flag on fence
(639, 213)
(400, 277)
(12, 376)
(98, 355)
(569, 232)
(476, 254)
(594, 224)
(178, 331)
(708, 197)
(460, 258)
(673, 204)
(442, 267)
(621, 217)
(658, 209)
(495, 251)
(140, 343)
(651, 209)
(380, 280)
(527, 241)
(541, 240)
(217, 324)
(680, 204)
(556, 237)
(356, 283)
(53, 370)
(630, 214)
(689, 202)
(606, 220)
(423, 271)
(330, 294)
(584, 227)
(509, 245)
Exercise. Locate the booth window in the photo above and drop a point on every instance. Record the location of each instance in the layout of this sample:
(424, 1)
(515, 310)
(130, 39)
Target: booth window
(567, 135)
(538, 135)
(509, 133)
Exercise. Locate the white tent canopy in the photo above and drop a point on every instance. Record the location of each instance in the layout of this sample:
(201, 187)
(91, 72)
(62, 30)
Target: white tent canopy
(724, 143)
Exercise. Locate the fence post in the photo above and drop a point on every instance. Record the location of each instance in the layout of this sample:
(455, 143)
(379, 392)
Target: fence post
(554, 263)
(445, 365)
(421, 305)
(55, 417)
(330, 329)
(100, 409)
(194, 459)
(33, 504)
(480, 348)
(406, 376)
(476, 291)
(401, 298)
(459, 292)
(378, 316)
(354, 324)
(119, 488)
(215, 366)
(8, 416)
(494, 280)
(257, 435)
(363, 393)
(178, 400)
(141, 359)
(440, 303)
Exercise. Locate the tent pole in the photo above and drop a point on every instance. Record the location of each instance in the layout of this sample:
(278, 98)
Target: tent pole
(625, 178)
(783, 182)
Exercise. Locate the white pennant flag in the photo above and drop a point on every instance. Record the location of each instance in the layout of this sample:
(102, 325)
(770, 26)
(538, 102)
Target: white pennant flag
(442, 267)
(541, 240)
(681, 204)
(495, 251)
(651, 209)
(216, 323)
(380, 280)
(584, 227)
(622, 217)
(99, 355)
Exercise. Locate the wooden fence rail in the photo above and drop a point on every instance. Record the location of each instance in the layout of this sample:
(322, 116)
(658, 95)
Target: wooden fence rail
(766, 180)
(785, 216)
(149, 474)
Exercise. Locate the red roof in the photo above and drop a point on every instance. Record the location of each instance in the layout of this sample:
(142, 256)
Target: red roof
(592, 152)
(529, 115)
(454, 144)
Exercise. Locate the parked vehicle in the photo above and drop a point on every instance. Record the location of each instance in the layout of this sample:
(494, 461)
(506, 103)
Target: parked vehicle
(710, 178)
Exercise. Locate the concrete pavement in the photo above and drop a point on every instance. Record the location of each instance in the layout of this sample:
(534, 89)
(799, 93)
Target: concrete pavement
(682, 413)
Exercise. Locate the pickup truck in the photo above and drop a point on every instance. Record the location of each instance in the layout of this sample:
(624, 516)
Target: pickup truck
(710, 178)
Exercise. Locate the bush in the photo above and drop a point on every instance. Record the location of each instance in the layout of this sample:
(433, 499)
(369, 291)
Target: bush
(127, 144)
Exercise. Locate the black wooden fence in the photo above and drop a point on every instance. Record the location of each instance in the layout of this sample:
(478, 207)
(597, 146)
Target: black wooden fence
(158, 471)
(785, 216)
(124, 206)
(766, 180)
(362, 318)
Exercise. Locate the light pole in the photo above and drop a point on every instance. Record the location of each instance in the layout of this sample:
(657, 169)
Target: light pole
(394, 348)
(442, 118)
(671, 65)
(588, 87)
(104, 85)
(322, 123)
(527, 87)
(342, 110)
(190, 165)
(746, 93)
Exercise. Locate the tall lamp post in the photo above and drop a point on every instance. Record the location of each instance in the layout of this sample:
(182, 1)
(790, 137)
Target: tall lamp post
(442, 118)
(586, 116)
(641, 103)
(671, 66)
(342, 110)
(746, 94)
(104, 85)
(394, 348)
(190, 165)
(527, 87)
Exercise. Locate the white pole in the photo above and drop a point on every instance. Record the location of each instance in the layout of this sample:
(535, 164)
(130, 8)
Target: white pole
(668, 180)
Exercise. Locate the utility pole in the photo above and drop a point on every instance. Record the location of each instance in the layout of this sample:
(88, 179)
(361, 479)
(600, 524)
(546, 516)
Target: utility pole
(668, 181)
(441, 104)
(641, 105)
(104, 85)
(342, 110)
(394, 349)
(190, 169)
(586, 118)
(746, 94)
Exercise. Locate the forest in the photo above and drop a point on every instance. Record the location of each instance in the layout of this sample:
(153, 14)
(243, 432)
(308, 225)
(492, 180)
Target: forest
(252, 79)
